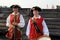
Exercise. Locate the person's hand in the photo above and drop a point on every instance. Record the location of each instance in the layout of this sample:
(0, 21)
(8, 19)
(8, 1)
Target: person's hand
(28, 37)
(14, 23)
(45, 35)
(11, 25)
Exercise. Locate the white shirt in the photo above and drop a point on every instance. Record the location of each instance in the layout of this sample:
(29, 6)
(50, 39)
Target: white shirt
(21, 24)
(45, 28)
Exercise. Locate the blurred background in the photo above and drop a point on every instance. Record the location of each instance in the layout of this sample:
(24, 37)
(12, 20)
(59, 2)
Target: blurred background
(50, 12)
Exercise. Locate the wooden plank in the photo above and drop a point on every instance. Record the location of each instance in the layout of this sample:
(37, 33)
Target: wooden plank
(3, 24)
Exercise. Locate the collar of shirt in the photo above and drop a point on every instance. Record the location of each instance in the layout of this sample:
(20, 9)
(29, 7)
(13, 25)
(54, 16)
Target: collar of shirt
(16, 13)
(36, 17)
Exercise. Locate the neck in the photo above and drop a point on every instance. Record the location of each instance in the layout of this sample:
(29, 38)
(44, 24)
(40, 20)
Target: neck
(35, 15)
(15, 12)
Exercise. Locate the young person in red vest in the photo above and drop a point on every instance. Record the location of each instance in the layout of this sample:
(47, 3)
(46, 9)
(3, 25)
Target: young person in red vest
(19, 22)
(31, 31)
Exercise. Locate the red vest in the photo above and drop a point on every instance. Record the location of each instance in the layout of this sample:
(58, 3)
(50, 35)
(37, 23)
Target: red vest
(33, 33)
(12, 18)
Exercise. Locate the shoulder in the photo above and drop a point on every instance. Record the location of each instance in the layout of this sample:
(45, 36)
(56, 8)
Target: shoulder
(30, 19)
(41, 17)
(20, 15)
(10, 14)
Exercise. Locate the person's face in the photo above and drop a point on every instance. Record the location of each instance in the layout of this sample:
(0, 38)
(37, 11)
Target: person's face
(15, 9)
(35, 12)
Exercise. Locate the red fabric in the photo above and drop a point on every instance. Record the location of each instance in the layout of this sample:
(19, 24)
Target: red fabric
(11, 30)
(33, 33)
(12, 19)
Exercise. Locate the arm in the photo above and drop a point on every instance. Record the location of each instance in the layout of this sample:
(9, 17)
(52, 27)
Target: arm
(22, 22)
(8, 24)
(45, 29)
(28, 29)
(8, 21)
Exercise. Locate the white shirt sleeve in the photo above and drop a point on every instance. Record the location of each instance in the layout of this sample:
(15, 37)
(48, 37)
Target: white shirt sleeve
(45, 28)
(22, 22)
(8, 21)
(28, 29)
